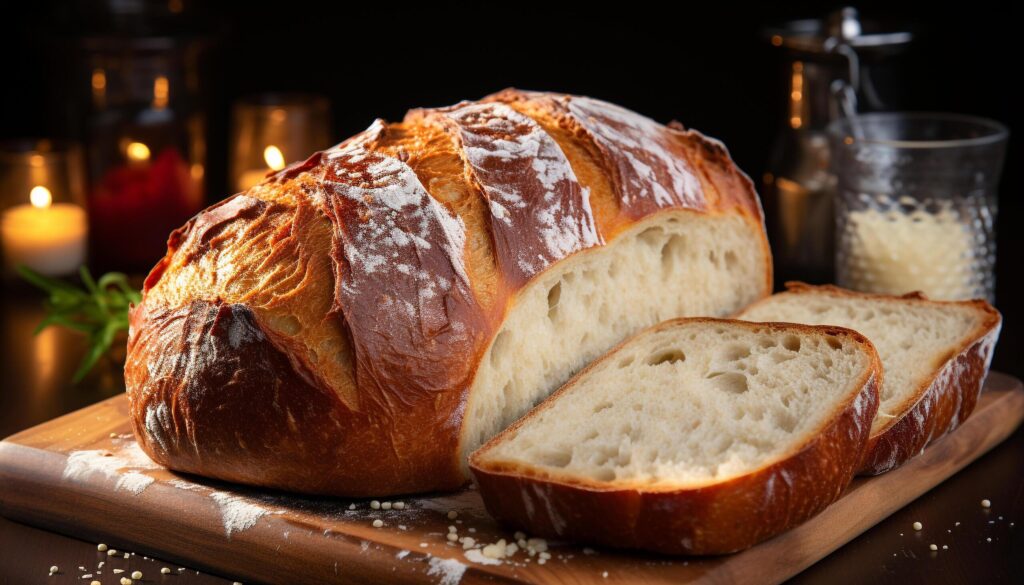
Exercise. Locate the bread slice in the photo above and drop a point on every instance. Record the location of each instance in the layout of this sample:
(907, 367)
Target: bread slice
(935, 356)
(698, 436)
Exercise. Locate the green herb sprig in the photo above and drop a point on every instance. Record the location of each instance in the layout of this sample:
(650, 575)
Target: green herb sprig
(99, 310)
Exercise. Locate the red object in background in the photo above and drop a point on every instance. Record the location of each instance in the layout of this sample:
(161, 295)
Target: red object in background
(136, 205)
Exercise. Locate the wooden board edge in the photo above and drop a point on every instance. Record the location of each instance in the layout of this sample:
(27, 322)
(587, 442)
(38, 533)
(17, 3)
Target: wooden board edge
(98, 518)
(781, 558)
(787, 554)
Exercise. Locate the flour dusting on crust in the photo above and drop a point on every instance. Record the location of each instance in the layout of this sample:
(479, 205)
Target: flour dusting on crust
(650, 169)
(529, 185)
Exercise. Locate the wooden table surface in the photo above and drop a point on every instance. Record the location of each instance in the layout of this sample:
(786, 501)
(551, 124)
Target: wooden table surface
(983, 545)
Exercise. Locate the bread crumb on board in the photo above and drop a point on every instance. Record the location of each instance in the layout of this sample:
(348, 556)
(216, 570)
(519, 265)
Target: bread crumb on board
(918, 526)
(986, 504)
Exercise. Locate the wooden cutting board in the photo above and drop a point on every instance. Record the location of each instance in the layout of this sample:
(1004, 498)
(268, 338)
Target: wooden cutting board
(83, 474)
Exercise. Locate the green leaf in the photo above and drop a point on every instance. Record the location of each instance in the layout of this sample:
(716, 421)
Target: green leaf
(99, 309)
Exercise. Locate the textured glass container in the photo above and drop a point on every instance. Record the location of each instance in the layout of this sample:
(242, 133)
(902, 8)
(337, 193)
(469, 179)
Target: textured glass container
(43, 222)
(270, 131)
(916, 203)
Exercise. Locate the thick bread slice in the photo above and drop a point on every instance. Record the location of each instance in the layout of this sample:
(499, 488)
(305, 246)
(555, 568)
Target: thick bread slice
(935, 356)
(696, 436)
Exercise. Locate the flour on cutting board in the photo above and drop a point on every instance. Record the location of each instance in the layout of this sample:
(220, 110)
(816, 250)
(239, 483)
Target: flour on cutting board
(124, 464)
(450, 571)
(238, 513)
(127, 467)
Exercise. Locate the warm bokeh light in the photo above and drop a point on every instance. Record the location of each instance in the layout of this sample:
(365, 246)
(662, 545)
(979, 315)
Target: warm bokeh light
(274, 157)
(40, 197)
(137, 151)
(99, 80)
(796, 102)
(161, 89)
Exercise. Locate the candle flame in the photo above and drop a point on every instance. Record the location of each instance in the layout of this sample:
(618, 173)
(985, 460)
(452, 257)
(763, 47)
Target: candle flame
(40, 197)
(274, 157)
(99, 80)
(160, 91)
(137, 151)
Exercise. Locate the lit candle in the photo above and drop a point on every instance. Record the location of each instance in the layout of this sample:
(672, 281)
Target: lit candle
(269, 131)
(274, 158)
(45, 236)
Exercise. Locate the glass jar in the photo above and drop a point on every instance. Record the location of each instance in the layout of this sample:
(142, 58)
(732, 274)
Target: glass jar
(146, 145)
(270, 131)
(916, 203)
(43, 223)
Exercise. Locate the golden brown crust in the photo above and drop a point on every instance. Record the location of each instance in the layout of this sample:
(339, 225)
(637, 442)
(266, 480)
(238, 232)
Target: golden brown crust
(944, 400)
(377, 274)
(713, 519)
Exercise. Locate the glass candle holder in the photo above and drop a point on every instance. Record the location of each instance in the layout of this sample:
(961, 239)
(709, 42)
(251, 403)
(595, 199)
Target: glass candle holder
(43, 222)
(916, 203)
(272, 130)
(145, 134)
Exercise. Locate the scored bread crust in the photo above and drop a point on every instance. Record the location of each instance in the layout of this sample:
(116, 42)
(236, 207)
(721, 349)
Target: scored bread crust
(943, 401)
(716, 518)
(321, 331)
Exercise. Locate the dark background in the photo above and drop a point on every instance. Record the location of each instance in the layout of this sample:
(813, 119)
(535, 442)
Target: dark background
(705, 65)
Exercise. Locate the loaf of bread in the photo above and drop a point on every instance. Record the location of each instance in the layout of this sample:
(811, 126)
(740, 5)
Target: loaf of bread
(935, 356)
(361, 321)
(697, 436)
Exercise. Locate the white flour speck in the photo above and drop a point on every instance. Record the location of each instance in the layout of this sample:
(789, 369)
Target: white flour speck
(124, 466)
(449, 570)
(478, 557)
(236, 513)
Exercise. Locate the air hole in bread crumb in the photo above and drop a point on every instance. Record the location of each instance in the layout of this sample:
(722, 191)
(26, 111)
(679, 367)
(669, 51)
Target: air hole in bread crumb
(734, 352)
(625, 362)
(554, 293)
(499, 347)
(670, 356)
(791, 342)
(602, 407)
(778, 357)
(784, 420)
(555, 458)
(833, 342)
(730, 260)
(652, 236)
(671, 252)
(731, 382)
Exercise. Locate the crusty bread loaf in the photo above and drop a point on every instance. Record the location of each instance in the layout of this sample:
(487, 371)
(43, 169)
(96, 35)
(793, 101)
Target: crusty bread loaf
(935, 356)
(697, 436)
(359, 322)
